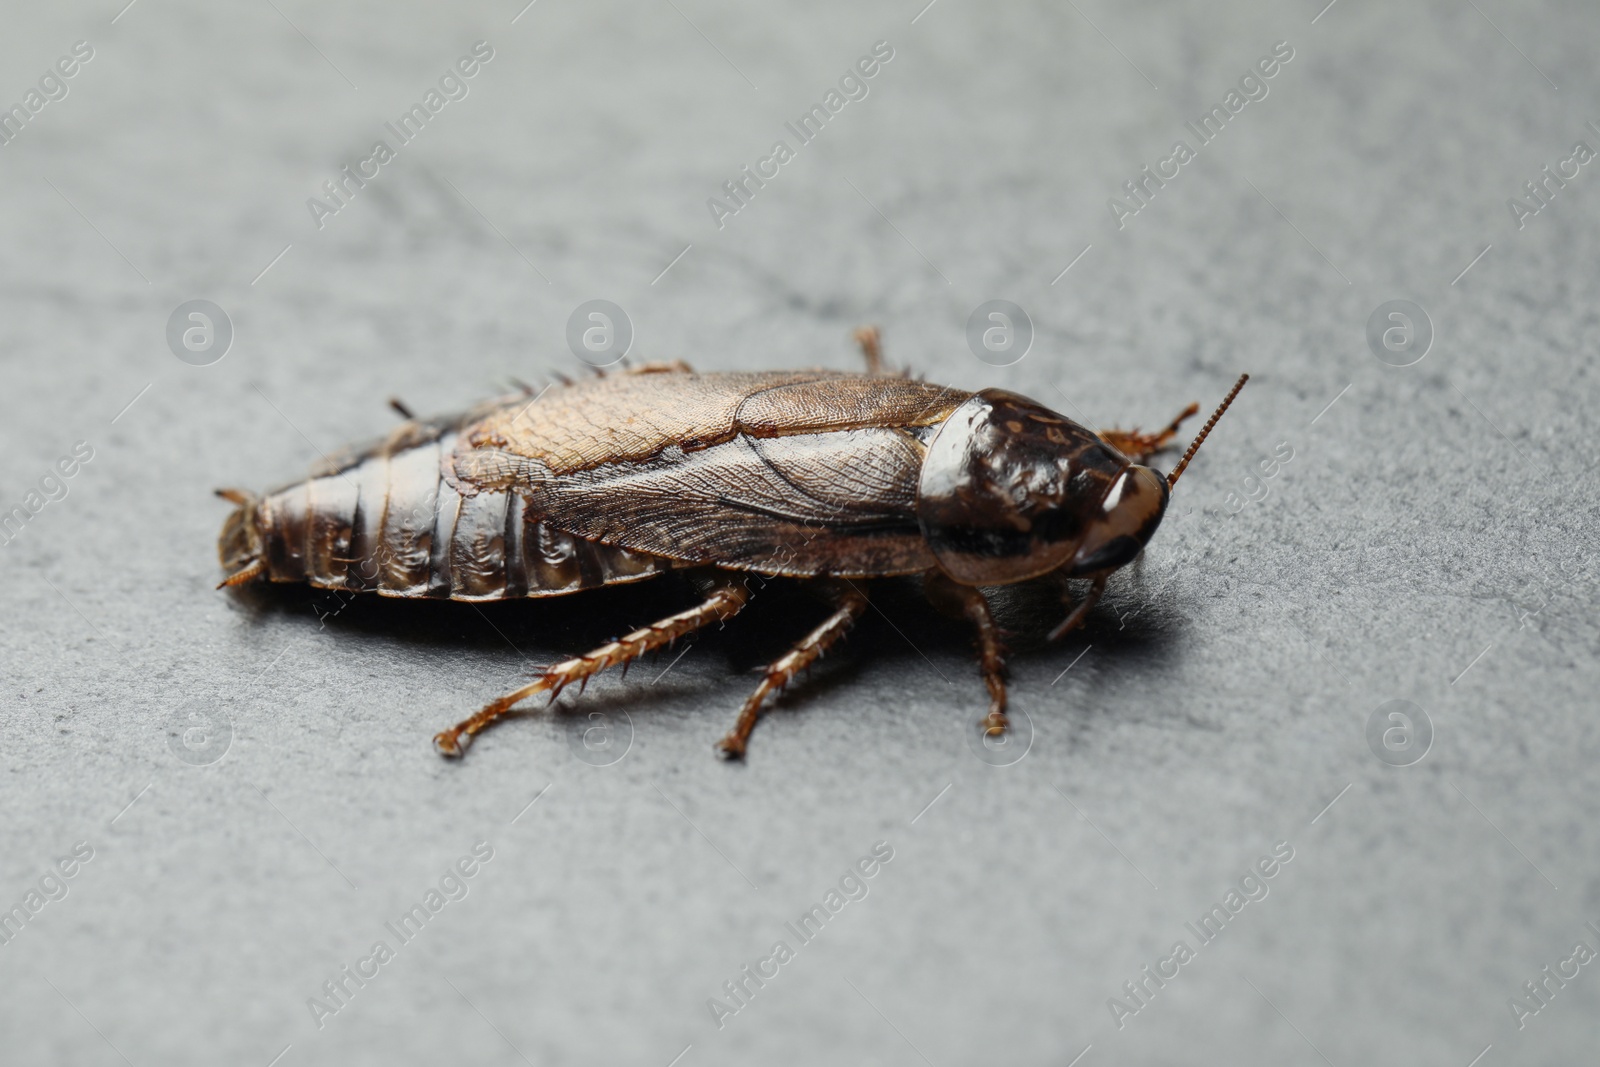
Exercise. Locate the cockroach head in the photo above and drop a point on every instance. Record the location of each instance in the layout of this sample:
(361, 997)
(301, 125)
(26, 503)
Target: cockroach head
(1011, 490)
(240, 545)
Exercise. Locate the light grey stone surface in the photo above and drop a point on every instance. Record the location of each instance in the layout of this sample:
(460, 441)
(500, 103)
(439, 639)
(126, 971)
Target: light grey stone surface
(1432, 539)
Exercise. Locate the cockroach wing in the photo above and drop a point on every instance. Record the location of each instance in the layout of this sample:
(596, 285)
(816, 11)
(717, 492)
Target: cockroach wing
(839, 503)
(633, 417)
(799, 474)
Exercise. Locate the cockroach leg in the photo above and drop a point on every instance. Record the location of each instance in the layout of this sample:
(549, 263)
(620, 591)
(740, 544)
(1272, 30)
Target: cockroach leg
(1172, 427)
(242, 497)
(246, 574)
(722, 603)
(968, 601)
(401, 409)
(1141, 446)
(871, 342)
(852, 603)
(1081, 612)
(661, 366)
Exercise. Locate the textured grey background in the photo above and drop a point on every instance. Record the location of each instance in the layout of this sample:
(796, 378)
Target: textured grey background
(1431, 540)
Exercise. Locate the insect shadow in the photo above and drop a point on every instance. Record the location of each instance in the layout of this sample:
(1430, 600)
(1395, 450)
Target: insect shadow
(762, 630)
(1135, 628)
(900, 637)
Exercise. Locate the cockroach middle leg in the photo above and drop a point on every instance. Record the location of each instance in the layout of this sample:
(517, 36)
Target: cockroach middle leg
(968, 601)
(723, 602)
(852, 603)
(1141, 446)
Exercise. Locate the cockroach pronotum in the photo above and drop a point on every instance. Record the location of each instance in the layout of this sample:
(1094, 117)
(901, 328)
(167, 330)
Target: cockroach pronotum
(828, 477)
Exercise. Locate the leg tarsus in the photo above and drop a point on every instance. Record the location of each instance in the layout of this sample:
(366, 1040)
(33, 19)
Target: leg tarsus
(722, 602)
(850, 603)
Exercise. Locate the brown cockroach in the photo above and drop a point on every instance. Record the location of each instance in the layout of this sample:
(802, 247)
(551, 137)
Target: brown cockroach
(830, 477)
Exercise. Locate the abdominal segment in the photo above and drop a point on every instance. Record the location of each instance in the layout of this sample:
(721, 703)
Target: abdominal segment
(386, 521)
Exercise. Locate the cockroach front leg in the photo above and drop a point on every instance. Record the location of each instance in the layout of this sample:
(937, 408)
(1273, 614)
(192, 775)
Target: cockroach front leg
(968, 602)
(851, 604)
(722, 603)
(1081, 612)
(1141, 446)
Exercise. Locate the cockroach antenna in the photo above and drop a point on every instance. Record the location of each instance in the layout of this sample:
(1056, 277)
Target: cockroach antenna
(1172, 479)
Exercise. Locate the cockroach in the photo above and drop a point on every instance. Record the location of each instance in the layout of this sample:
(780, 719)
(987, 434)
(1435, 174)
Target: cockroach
(828, 477)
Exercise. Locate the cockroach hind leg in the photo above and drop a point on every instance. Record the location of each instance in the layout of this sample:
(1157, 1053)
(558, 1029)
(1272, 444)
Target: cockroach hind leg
(851, 603)
(723, 601)
(242, 497)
